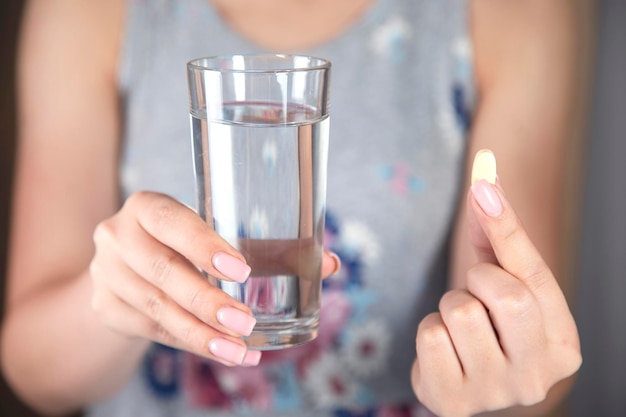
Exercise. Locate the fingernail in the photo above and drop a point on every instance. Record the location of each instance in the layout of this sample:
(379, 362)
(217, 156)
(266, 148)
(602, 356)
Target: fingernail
(336, 262)
(230, 266)
(228, 351)
(487, 198)
(253, 357)
(236, 320)
(484, 167)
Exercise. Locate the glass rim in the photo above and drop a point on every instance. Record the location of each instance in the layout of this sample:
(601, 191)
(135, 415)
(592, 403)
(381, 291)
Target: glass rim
(195, 64)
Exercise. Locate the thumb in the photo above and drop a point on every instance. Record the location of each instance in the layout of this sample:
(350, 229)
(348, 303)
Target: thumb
(483, 169)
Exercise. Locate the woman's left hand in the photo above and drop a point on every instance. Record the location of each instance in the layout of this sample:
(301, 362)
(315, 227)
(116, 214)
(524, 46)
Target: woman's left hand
(507, 338)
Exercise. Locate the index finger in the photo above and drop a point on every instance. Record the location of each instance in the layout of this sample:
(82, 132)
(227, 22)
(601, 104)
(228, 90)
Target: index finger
(180, 228)
(512, 247)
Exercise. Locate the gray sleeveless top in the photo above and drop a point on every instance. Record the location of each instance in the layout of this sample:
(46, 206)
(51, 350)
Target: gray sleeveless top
(402, 99)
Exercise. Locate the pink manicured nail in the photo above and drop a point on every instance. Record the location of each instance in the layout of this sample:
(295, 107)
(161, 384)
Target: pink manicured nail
(228, 351)
(336, 262)
(230, 266)
(236, 320)
(253, 357)
(487, 198)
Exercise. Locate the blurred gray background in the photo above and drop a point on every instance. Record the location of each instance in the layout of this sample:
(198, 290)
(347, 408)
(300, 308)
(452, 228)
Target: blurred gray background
(601, 309)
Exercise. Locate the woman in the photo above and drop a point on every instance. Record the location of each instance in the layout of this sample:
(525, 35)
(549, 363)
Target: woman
(418, 88)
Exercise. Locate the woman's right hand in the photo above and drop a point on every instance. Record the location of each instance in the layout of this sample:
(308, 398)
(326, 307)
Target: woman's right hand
(147, 280)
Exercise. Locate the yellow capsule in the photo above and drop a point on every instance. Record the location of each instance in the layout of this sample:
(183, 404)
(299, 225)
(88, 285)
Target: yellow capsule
(484, 167)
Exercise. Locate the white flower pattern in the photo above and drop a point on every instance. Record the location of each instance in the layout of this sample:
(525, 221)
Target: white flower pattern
(259, 225)
(366, 348)
(356, 237)
(270, 156)
(388, 39)
(328, 384)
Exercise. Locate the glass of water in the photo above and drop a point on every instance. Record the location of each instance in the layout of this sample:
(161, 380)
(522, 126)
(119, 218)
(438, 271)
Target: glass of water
(260, 127)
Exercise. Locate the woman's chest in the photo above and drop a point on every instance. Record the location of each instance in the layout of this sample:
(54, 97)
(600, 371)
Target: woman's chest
(287, 25)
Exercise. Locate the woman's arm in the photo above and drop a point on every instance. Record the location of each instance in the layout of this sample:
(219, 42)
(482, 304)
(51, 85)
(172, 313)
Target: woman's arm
(91, 280)
(53, 347)
(527, 74)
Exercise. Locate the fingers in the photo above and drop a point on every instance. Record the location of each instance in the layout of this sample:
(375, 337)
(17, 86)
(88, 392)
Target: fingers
(511, 245)
(161, 319)
(175, 276)
(484, 168)
(471, 332)
(503, 239)
(500, 238)
(496, 321)
(514, 252)
(331, 264)
(464, 325)
(440, 374)
(147, 267)
(513, 310)
(461, 368)
(162, 294)
(119, 316)
(178, 227)
(435, 350)
(479, 240)
(510, 333)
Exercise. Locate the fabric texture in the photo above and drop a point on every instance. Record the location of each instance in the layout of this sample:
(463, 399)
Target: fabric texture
(401, 104)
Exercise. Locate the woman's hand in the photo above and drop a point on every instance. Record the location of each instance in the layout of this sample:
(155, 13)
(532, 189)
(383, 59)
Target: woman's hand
(147, 281)
(507, 338)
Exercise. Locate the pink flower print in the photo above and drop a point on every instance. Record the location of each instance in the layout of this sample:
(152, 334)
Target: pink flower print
(249, 386)
(329, 238)
(261, 294)
(327, 384)
(401, 179)
(335, 312)
(398, 182)
(164, 368)
(389, 39)
(294, 354)
(201, 387)
(393, 411)
(366, 348)
(421, 411)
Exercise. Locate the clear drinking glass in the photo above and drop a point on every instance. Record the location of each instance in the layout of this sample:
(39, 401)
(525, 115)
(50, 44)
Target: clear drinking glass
(260, 127)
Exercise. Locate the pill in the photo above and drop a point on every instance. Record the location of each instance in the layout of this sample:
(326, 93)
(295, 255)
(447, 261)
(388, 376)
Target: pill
(484, 167)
